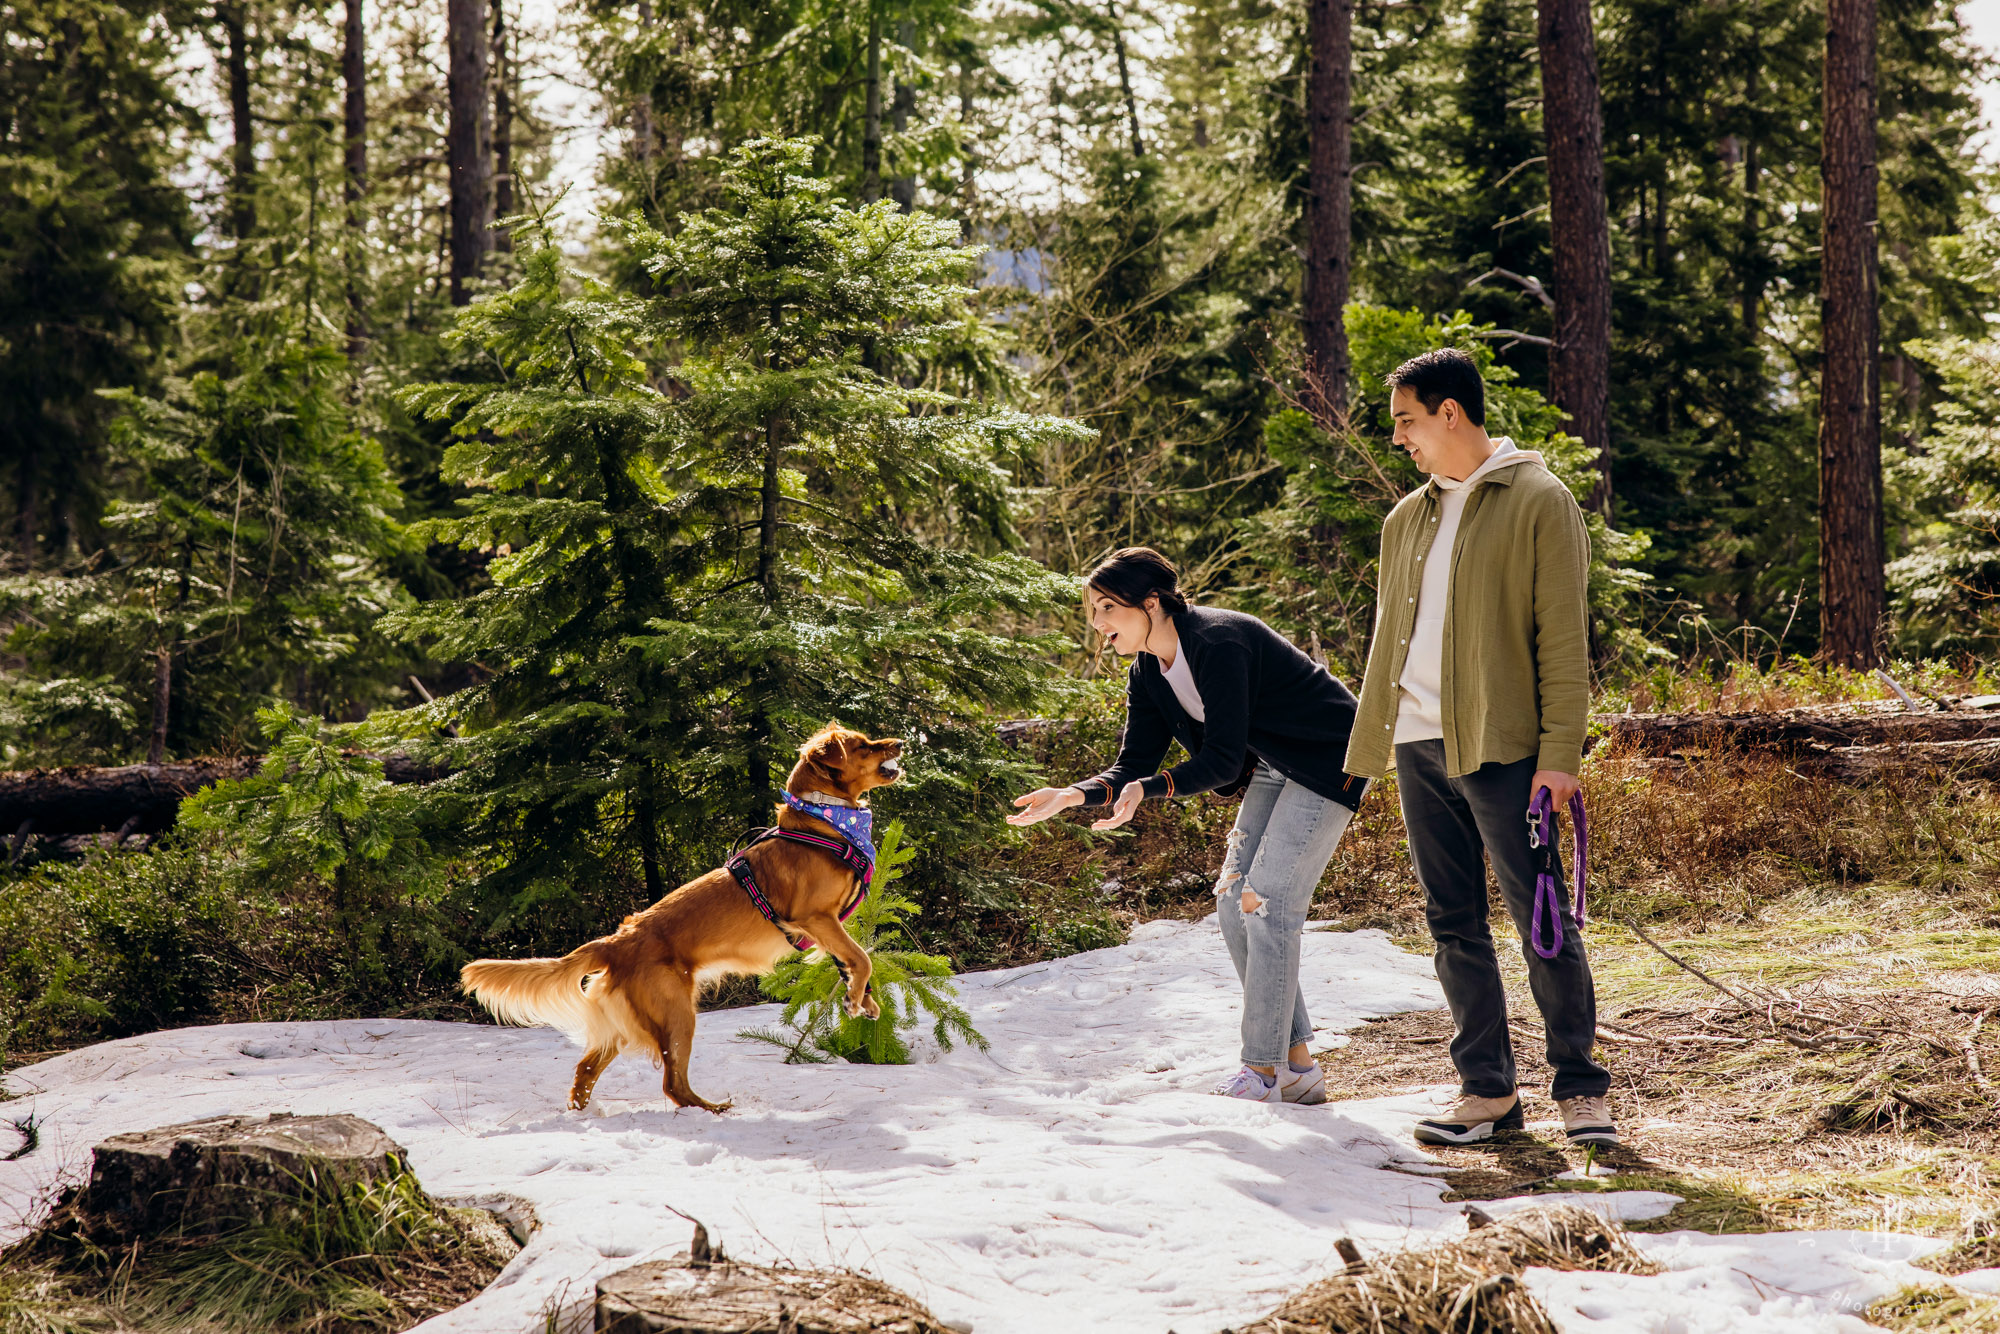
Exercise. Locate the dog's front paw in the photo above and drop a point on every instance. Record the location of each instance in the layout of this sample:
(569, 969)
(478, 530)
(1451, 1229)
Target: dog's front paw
(866, 1006)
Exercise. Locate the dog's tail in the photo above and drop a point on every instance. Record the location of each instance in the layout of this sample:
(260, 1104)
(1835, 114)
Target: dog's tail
(551, 992)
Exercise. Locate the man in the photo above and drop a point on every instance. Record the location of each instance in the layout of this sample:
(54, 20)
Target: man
(1478, 685)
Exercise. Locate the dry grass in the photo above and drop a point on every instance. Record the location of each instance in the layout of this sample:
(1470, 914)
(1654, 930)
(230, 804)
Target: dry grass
(1848, 1104)
(1461, 1286)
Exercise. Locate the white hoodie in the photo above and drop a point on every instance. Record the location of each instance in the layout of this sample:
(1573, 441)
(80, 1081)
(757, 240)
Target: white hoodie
(1420, 709)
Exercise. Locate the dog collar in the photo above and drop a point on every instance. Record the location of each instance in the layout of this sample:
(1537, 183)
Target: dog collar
(823, 799)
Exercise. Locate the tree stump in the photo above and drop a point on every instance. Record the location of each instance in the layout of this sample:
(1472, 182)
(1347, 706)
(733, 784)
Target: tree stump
(208, 1176)
(703, 1292)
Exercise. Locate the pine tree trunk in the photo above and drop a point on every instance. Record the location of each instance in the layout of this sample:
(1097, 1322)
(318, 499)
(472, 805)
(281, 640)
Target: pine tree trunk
(903, 188)
(644, 134)
(163, 692)
(468, 146)
(1580, 238)
(871, 114)
(1329, 204)
(243, 148)
(503, 127)
(767, 523)
(1753, 260)
(354, 72)
(647, 816)
(1125, 78)
(968, 167)
(27, 505)
(1852, 599)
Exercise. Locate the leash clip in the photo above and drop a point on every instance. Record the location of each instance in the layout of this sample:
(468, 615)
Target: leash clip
(1535, 818)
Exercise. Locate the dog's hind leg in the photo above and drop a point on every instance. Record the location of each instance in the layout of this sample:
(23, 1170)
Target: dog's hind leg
(587, 1070)
(669, 1013)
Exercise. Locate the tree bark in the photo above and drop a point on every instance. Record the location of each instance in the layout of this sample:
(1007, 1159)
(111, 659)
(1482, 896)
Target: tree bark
(163, 693)
(1125, 78)
(469, 144)
(354, 72)
(243, 147)
(645, 135)
(1329, 204)
(1579, 234)
(903, 187)
(1753, 260)
(871, 114)
(1852, 594)
(969, 165)
(28, 503)
(503, 127)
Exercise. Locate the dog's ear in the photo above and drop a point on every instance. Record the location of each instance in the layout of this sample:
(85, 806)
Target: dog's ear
(823, 757)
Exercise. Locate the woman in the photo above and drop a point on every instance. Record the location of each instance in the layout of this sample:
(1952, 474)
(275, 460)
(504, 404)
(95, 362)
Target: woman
(1257, 717)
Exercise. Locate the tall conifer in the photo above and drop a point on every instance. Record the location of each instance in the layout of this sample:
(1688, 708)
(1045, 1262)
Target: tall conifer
(699, 563)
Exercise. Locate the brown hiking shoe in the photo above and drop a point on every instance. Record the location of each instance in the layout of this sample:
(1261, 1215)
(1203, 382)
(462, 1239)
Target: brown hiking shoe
(1588, 1121)
(1472, 1120)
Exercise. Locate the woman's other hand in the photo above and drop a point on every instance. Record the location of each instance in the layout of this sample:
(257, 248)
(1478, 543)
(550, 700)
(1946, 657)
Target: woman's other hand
(1043, 802)
(1122, 809)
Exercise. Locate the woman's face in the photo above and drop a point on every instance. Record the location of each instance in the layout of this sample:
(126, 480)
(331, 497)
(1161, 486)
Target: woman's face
(1124, 628)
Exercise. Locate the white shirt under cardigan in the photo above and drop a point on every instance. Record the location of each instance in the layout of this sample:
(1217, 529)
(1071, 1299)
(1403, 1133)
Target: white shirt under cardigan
(1420, 708)
(1182, 680)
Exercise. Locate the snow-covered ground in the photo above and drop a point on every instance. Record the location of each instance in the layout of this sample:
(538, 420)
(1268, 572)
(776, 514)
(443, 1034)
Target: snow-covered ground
(1075, 1177)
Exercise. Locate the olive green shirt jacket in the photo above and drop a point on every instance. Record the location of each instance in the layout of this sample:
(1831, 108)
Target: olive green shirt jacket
(1516, 662)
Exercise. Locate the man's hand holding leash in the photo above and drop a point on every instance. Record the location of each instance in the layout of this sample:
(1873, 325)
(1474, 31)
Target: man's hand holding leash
(1561, 786)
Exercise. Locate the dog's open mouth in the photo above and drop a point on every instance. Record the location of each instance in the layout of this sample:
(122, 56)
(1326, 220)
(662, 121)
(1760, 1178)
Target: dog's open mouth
(890, 768)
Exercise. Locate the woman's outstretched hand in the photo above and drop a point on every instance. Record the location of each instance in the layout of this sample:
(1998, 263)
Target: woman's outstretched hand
(1043, 802)
(1122, 809)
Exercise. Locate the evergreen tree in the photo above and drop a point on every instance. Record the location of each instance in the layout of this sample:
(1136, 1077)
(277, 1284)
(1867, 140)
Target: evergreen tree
(1314, 552)
(703, 559)
(242, 566)
(92, 232)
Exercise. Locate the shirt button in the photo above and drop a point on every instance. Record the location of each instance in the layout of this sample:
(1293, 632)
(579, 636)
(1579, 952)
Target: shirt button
(1402, 641)
(1386, 727)
(1420, 560)
(1412, 599)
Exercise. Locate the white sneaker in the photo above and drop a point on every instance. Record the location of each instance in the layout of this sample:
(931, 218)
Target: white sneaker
(1249, 1085)
(1303, 1086)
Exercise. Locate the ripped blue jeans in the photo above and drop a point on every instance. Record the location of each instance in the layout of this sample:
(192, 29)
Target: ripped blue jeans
(1284, 836)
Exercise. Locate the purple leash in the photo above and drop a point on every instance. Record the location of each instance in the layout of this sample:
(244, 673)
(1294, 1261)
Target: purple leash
(1548, 864)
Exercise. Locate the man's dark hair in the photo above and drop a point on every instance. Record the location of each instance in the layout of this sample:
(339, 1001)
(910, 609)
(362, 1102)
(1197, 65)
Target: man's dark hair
(1444, 373)
(1130, 575)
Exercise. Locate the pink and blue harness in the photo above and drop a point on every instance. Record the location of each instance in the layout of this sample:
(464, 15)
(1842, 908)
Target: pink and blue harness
(852, 845)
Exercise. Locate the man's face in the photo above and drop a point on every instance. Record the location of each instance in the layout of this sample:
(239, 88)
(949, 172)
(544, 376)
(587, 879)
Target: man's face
(1424, 435)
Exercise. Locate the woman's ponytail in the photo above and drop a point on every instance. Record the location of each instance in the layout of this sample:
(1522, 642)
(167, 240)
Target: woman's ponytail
(1130, 575)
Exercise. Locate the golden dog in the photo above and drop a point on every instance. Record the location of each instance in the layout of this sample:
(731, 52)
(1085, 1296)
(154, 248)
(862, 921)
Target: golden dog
(636, 988)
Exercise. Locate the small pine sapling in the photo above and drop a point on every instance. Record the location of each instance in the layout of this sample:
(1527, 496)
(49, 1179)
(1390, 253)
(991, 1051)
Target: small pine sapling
(908, 985)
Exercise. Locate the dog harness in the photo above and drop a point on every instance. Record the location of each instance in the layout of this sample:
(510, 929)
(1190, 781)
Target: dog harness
(1548, 865)
(851, 847)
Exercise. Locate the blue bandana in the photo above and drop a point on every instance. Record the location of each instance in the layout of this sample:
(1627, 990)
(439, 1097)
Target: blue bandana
(856, 822)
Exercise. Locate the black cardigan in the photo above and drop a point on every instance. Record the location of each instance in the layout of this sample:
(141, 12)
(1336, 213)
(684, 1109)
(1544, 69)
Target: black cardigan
(1264, 699)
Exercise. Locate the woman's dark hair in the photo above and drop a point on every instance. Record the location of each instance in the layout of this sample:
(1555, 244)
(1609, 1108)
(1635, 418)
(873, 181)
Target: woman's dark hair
(1130, 575)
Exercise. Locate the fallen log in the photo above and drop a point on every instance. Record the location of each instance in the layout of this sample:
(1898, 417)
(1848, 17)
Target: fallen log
(135, 798)
(1867, 723)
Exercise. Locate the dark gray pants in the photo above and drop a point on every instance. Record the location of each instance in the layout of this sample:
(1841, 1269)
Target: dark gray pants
(1451, 823)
